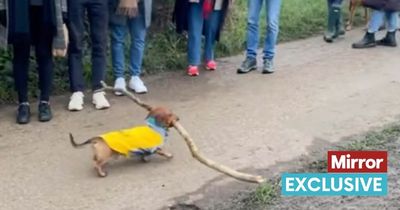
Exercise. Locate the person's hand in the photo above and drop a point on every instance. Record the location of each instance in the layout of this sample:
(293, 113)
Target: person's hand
(62, 52)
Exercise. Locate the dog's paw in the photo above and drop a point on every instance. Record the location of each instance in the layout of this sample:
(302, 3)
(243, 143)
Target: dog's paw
(146, 158)
(168, 156)
(102, 174)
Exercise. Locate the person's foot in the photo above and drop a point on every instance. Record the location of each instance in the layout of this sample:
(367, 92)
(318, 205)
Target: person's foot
(99, 100)
(367, 41)
(76, 101)
(211, 65)
(137, 85)
(23, 113)
(193, 71)
(268, 67)
(248, 65)
(389, 40)
(45, 114)
(119, 84)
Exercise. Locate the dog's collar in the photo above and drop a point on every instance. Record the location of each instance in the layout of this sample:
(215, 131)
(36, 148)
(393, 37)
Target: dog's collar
(152, 123)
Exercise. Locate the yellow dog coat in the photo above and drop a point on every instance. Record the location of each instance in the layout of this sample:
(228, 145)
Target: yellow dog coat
(142, 140)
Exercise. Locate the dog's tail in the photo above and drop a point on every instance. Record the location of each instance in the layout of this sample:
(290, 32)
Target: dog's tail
(76, 145)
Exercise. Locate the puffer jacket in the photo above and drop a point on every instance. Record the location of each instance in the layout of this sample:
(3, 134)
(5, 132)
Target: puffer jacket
(60, 9)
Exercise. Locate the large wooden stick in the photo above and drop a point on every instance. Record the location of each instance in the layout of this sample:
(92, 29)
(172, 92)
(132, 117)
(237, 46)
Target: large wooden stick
(192, 146)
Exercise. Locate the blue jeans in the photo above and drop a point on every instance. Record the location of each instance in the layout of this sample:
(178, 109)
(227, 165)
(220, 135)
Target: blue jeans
(137, 29)
(197, 24)
(273, 11)
(377, 17)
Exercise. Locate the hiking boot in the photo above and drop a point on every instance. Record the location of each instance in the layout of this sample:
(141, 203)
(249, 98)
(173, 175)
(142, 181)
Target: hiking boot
(248, 65)
(339, 26)
(389, 40)
(333, 19)
(23, 113)
(45, 114)
(268, 67)
(367, 41)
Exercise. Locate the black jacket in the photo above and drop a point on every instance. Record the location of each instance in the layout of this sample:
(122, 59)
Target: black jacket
(19, 25)
(387, 5)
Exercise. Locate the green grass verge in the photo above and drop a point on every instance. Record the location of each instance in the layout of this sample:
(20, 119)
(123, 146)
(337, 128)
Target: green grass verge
(269, 193)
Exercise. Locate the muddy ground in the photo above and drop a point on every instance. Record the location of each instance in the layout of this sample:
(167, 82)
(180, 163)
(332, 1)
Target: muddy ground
(268, 196)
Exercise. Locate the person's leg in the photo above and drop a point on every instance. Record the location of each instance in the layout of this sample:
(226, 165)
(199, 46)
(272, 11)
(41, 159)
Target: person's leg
(76, 28)
(137, 28)
(138, 31)
(98, 20)
(273, 14)
(43, 39)
(273, 8)
(390, 38)
(253, 17)
(118, 34)
(376, 21)
(21, 52)
(211, 26)
(369, 38)
(392, 19)
(254, 9)
(195, 30)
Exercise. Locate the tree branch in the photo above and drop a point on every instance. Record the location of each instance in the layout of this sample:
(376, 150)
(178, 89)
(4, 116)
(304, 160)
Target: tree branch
(192, 146)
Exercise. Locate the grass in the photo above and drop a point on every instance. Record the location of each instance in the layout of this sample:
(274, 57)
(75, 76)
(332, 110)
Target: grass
(268, 194)
(166, 50)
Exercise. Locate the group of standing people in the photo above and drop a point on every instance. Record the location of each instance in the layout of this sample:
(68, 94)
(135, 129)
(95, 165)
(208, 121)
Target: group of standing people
(56, 28)
(384, 12)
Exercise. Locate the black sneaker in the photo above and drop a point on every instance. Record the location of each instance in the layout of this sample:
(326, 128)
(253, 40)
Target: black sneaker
(248, 65)
(44, 112)
(268, 67)
(23, 113)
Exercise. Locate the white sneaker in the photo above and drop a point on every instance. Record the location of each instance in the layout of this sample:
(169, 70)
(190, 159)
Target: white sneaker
(76, 101)
(100, 101)
(119, 84)
(136, 84)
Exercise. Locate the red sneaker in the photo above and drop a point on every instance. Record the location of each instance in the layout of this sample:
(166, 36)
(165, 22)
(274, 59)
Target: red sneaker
(211, 65)
(193, 71)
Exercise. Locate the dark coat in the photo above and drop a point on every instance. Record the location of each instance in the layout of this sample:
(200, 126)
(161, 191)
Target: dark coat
(14, 29)
(386, 5)
(181, 16)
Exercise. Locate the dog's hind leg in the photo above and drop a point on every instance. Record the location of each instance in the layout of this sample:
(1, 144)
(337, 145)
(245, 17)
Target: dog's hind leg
(102, 154)
(349, 24)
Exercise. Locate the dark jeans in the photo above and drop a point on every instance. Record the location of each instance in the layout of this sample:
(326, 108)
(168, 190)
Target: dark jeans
(97, 11)
(41, 39)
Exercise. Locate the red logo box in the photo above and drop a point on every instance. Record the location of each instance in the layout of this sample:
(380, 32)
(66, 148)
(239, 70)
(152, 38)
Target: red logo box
(357, 161)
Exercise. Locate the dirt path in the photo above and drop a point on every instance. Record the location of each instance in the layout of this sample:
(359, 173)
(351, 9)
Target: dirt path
(320, 93)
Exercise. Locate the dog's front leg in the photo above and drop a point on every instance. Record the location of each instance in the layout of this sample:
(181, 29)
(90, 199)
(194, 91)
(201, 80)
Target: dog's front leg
(164, 153)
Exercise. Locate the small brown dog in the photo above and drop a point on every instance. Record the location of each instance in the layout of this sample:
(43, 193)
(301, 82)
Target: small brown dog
(354, 4)
(142, 141)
